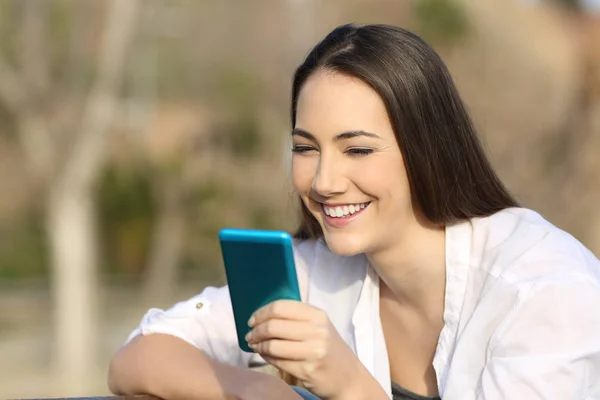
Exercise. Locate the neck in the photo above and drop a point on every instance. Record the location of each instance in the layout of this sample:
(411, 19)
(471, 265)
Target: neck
(413, 269)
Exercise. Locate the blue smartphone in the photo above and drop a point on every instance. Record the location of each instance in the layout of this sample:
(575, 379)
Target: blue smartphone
(260, 268)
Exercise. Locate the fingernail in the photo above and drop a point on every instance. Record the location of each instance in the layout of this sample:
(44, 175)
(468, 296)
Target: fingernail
(248, 336)
(251, 321)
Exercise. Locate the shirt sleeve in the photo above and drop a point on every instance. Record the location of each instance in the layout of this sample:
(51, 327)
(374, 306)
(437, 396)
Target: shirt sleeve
(549, 346)
(204, 321)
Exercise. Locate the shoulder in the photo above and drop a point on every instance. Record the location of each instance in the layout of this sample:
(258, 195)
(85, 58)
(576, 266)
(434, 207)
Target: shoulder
(521, 247)
(534, 287)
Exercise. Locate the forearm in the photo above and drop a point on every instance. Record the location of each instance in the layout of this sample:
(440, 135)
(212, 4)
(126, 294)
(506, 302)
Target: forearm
(172, 369)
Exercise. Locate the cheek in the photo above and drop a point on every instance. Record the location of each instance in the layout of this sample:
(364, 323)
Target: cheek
(379, 174)
(303, 173)
(385, 179)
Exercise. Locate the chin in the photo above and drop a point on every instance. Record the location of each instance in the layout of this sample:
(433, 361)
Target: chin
(344, 245)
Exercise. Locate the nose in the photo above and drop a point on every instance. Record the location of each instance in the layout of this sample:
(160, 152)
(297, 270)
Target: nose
(329, 179)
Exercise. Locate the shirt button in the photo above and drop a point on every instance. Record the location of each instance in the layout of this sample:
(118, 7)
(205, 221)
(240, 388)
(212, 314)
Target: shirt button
(199, 305)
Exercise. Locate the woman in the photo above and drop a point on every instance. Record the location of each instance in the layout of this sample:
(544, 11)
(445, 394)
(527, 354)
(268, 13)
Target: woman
(421, 277)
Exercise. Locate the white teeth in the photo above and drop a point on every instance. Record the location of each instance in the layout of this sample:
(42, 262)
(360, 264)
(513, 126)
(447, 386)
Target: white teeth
(343, 211)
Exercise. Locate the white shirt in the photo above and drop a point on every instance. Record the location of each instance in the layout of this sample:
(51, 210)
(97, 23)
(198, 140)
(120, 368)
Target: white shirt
(521, 317)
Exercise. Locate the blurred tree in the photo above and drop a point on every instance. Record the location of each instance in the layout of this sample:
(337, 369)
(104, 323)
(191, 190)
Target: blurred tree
(183, 186)
(440, 21)
(171, 192)
(126, 213)
(237, 90)
(66, 154)
(573, 4)
(23, 249)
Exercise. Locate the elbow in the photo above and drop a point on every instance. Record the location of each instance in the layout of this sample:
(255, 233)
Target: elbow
(113, 376)
(124, 376)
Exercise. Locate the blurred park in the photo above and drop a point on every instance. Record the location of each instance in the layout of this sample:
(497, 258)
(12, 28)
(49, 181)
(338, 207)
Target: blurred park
(132, 131)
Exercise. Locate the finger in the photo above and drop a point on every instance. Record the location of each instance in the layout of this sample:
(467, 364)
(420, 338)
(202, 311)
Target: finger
(286, 330)
(286, 309)
(288, 350)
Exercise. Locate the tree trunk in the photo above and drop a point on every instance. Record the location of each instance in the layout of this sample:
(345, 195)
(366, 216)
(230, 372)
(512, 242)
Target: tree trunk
(71, 228)
(71, 214)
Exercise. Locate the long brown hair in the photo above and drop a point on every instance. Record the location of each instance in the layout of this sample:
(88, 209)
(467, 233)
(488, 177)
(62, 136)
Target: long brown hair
(449, 175)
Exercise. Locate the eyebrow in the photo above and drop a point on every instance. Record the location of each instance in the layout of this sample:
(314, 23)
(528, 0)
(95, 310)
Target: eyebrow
(338, 137)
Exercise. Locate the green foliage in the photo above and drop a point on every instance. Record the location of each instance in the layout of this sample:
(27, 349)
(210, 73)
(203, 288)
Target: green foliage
(9, 24)
(8, 124)
(201, 260)
(126, 213)
(244, 137)
(60, 18)
(23, 250)
(210, 202)
(212, 190)
(203, 266)
(124, 193)
(236, 86)
(261, 217)
(572, 4)
(440, 21)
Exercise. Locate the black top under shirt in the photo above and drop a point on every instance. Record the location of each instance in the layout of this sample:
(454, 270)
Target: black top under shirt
(399, 393)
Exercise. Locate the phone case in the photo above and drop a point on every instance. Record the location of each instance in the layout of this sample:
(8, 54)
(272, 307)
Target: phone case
(260, 268)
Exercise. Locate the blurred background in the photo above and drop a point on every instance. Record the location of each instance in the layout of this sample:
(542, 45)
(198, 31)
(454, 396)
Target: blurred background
(132, 131)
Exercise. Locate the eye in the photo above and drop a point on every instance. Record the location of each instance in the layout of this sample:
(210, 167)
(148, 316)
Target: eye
(359, 151)
(301, 148)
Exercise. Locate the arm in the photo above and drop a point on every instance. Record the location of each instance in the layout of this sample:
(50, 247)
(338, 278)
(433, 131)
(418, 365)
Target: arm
(168, 367)
(165, 359)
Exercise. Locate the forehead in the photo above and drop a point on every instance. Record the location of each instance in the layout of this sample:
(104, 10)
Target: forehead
(330, 103)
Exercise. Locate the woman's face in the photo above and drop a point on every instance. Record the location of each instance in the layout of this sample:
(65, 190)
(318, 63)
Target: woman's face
(347, 166)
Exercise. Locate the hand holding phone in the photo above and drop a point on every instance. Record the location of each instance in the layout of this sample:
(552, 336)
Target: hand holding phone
(260, 268)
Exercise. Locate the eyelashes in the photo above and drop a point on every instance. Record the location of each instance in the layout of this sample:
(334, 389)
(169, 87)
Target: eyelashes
(301, 149)
(353, 151)
(359, 151)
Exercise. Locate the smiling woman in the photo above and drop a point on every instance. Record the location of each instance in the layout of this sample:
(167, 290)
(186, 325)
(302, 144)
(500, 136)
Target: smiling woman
(421, 277)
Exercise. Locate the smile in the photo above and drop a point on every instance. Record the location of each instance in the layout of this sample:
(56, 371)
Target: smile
(344, 211)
